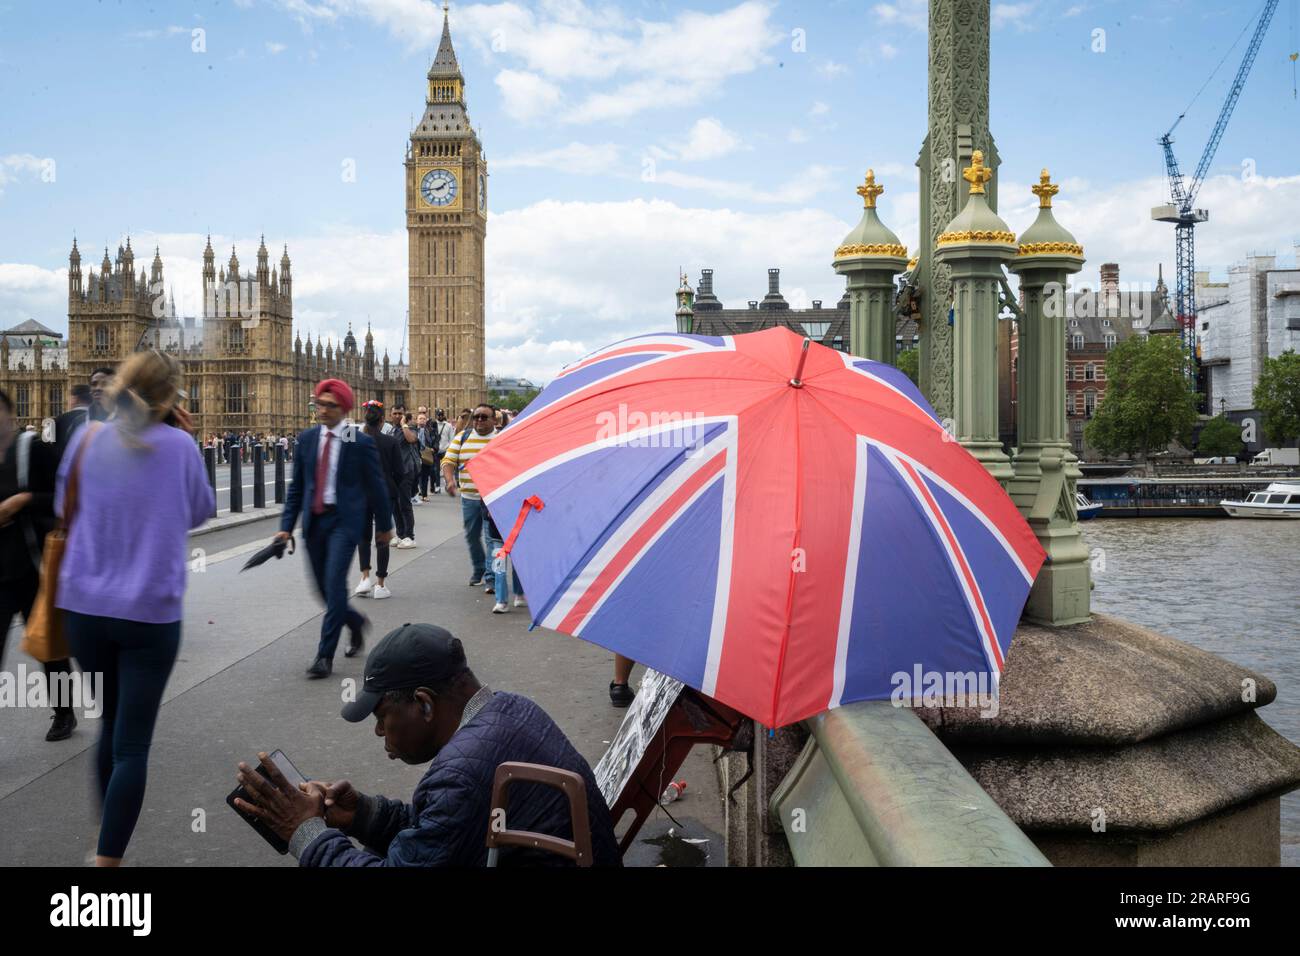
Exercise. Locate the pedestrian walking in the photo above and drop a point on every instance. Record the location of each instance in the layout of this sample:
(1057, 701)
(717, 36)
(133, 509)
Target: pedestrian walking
(474, 513)
(135, 487)
(27, 470)
(76, 416)
(408, 444)
(445, 433)
(100, 381)
(390, 463)
(336, 480)
(428, 443)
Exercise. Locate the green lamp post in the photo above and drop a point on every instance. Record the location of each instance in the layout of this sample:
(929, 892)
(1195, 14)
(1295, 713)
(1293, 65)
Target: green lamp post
(685, 306)
(1046, 469)
(974, 247)
(870, 256)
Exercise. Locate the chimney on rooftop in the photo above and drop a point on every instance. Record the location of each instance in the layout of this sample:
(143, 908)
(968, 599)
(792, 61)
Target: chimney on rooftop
(1110, 287)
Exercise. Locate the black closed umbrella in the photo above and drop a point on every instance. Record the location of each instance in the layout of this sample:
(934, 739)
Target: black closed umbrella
(273, 550)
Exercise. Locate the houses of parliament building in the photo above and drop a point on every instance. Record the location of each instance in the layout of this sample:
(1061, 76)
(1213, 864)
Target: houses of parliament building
(245, 368)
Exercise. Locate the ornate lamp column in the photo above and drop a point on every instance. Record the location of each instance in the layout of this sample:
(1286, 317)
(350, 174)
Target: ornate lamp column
(974, 247)
(958, 125)
(871, 256)
(1046, 470)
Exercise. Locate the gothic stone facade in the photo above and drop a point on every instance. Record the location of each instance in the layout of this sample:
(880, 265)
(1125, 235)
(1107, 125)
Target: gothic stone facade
(244, 368)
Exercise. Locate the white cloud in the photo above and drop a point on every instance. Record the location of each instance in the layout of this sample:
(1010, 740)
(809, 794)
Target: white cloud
(1014, 14)
(819, 109)
(527, 97)
(796, 135)
(32, 292)
(830, 69)
(566, 284)
(17, 166)
(910, 13)
(582, 158)
(709, 139)
(611, 67)
(888, 51)
(1074, 11)
(1113, 221)
(275, 48)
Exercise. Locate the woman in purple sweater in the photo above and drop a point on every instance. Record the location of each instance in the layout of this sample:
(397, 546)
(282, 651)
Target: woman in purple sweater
(141, 487)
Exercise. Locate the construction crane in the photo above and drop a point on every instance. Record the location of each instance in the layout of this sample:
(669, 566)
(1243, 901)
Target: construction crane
(1182, 212)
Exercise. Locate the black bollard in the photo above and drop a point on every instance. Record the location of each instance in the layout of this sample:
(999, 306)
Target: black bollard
(210, 463)
(279, 474)
(259, 476)
(236, 482)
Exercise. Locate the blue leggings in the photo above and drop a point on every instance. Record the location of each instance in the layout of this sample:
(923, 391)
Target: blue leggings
(133, 661)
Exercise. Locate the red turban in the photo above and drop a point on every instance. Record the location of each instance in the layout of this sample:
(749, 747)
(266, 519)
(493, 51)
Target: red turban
(340, 390)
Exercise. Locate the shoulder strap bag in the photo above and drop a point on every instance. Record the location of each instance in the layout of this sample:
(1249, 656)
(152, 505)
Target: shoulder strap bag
(43, 638)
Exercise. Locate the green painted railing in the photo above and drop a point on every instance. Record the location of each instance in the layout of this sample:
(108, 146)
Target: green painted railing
(874, 787)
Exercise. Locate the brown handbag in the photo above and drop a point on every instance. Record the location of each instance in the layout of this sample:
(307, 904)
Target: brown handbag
(43, 638)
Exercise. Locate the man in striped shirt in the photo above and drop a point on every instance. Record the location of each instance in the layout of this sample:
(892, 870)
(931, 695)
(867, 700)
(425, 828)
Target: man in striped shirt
(462, 449)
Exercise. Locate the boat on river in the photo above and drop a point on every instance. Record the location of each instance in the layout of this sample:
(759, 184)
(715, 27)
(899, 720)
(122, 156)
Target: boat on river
(1086, 509)
(1281, 499)
(1178, 496)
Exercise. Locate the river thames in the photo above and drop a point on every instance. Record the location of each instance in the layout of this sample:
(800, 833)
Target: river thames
(1229, 586)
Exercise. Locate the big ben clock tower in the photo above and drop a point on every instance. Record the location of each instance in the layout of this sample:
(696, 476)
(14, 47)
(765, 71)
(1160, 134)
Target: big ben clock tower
(446, 225)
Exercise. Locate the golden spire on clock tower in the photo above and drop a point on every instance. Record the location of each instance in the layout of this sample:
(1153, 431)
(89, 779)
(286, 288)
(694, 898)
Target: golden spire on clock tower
(446, 83)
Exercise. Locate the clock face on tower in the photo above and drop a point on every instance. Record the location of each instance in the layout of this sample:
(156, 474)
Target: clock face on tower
(482, 192)
(439, 187)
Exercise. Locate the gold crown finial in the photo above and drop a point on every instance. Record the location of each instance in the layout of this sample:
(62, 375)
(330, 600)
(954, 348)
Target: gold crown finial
(1045, 189)
(869, 190)
(977, 174)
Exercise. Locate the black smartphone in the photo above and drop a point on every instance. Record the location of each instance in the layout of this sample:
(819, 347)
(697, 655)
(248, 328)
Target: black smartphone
(291, 776)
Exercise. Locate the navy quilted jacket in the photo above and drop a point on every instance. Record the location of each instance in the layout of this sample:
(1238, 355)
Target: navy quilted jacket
(446, 823)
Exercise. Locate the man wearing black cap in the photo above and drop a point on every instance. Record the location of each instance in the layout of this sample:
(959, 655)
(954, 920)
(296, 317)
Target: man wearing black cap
(428, 706)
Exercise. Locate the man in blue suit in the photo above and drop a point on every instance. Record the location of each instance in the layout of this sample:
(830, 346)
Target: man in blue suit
(336, 479)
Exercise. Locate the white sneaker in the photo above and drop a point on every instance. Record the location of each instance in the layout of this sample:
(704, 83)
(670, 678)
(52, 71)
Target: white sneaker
(381, 592)
(363, 589)
(500, 608)
(405, 544)
(521, 601)
(416, 502)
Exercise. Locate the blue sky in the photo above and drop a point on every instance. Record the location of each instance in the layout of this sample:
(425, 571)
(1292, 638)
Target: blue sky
(624, 140)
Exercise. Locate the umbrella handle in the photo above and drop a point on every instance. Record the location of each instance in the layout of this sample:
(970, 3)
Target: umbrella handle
(530, 504)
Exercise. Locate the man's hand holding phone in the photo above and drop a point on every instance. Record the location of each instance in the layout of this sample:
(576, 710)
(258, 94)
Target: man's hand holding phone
(278, 804)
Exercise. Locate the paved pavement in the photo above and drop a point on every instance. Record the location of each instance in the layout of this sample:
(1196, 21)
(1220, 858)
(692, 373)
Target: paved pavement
(238, 687)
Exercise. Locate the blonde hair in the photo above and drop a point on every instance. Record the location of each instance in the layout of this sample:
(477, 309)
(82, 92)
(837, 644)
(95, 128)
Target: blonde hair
(144, 392)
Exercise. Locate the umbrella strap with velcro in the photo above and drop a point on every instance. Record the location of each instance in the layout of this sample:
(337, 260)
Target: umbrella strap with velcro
(531, 504)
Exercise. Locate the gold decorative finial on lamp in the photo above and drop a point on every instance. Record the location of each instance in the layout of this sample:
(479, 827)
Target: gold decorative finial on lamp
(1045, 190)
(977, 174)
(869, 190)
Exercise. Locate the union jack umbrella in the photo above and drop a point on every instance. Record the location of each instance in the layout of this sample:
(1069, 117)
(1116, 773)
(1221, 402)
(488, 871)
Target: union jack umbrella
(781, 526)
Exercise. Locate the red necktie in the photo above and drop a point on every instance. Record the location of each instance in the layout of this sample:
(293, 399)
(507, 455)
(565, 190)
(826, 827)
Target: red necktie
(322, 475)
